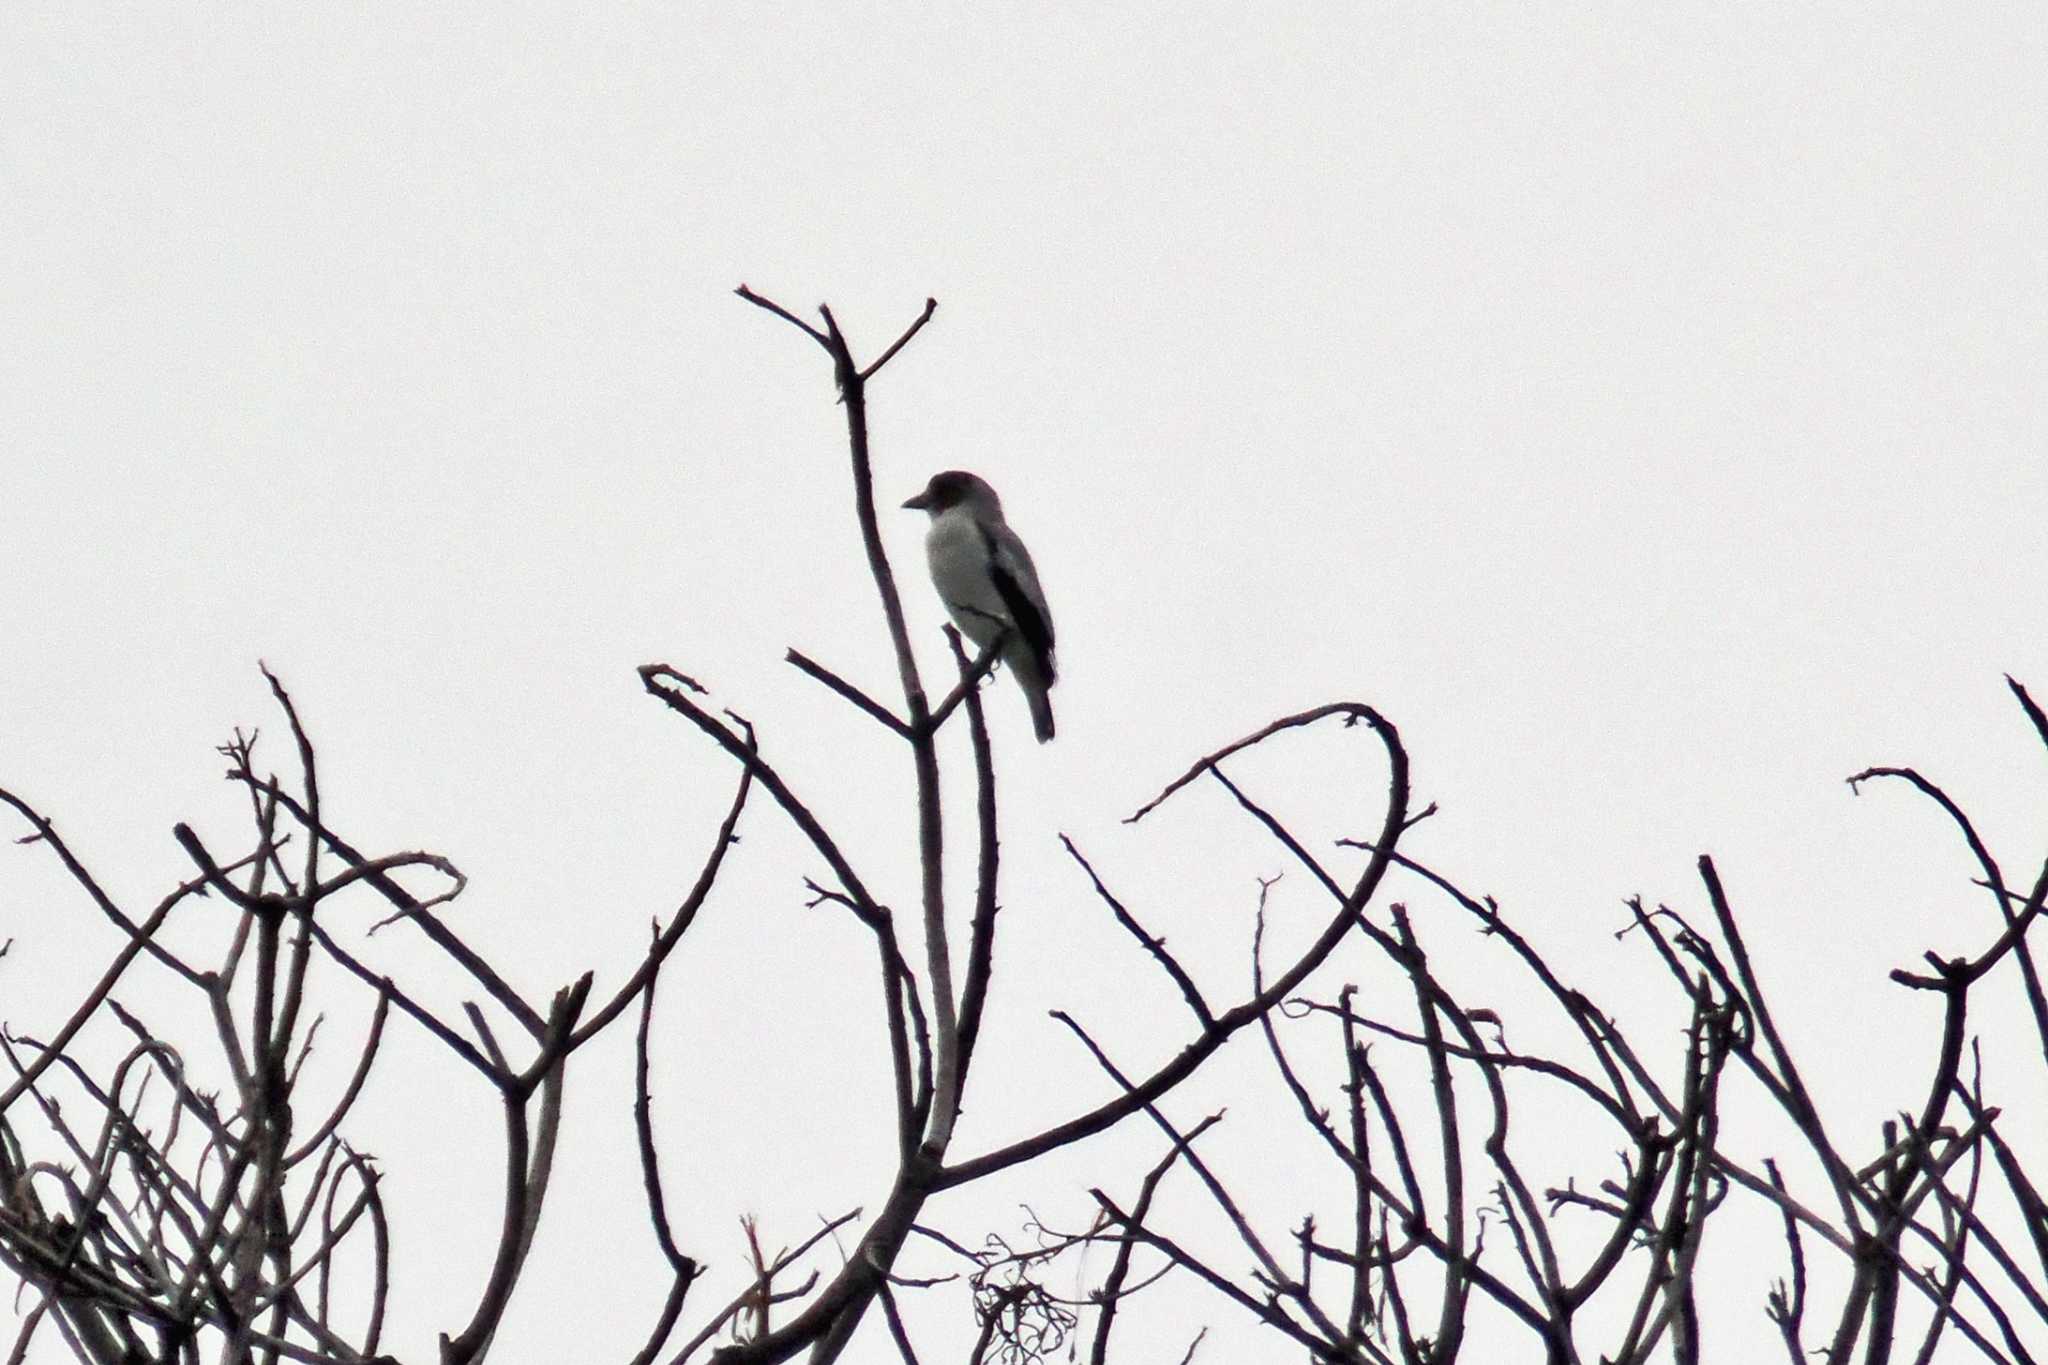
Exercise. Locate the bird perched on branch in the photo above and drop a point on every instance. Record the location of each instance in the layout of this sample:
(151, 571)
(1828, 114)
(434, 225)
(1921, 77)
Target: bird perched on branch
(985, 578)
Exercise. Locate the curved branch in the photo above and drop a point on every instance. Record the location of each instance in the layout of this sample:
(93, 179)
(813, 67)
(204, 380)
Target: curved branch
(1230, 1021)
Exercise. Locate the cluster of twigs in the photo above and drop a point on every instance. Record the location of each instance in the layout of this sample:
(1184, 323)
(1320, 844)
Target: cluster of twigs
(180, 1225)
(192, 1227)
(1912, 1222)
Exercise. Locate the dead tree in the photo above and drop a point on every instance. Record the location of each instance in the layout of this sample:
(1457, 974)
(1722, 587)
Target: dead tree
(933, 1026)
(180, 1225)
(1915, 1218)
(195, 1226)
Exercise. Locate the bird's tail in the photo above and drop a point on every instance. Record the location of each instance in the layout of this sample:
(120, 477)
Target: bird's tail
(1034, 675)
(1040, 698)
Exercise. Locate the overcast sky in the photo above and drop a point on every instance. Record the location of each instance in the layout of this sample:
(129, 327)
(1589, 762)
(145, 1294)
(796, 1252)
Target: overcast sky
(1640, 406)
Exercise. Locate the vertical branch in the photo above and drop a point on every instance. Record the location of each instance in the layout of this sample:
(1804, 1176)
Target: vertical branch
(923, 743)
(266, 1118)
(982, 935)
(681, 1267)
(308, 899)
(1682, 1305)
(1787, 1305)
(852, 382)
(529, 1164)
(1799, 1106)
(1361, 1175)
(853, 389)
(1910, 1160)
(1450, 1328)
(832, 1317)
(471, 1342)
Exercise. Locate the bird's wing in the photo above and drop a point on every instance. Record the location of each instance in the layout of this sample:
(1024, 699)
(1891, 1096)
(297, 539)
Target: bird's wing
(1016, 582)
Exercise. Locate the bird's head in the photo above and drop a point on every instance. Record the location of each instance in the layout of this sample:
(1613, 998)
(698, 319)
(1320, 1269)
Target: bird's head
(954, 488)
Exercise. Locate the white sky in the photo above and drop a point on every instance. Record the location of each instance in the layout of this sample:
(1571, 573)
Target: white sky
(1642, 407)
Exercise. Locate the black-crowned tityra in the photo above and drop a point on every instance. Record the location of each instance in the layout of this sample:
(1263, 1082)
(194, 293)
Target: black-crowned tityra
(984, 576)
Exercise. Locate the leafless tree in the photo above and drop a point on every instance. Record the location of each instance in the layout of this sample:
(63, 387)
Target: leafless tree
(1914, 1219)
(178, 1225)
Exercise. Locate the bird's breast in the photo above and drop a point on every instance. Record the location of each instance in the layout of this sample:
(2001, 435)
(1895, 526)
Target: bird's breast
(958, 556)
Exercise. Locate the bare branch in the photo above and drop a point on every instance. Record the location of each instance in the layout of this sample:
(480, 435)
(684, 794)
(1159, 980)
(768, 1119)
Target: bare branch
(848, 691)
(1155, 946)
(930, 306)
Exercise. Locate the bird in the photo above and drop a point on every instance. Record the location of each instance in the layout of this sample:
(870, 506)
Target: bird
(985, 577)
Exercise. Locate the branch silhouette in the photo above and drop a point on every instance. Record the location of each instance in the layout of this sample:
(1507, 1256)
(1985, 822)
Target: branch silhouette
(146, 1217)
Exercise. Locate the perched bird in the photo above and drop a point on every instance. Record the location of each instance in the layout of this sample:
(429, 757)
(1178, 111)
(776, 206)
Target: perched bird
(984, 576)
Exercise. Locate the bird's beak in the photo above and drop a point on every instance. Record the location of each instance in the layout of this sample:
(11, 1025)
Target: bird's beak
(921, 503)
